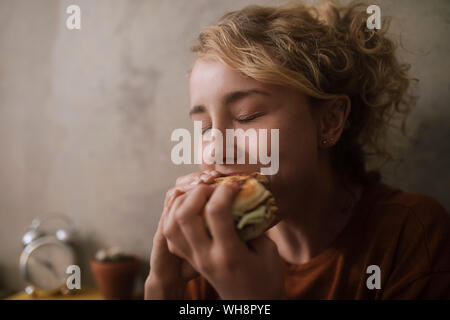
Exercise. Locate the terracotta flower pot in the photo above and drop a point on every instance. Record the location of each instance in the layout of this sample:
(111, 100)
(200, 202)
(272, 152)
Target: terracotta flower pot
(115, 279)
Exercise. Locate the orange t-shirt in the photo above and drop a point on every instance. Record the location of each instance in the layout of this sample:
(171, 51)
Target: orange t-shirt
(406, 235)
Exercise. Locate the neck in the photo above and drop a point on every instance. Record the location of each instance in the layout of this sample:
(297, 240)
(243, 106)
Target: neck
(312, 220)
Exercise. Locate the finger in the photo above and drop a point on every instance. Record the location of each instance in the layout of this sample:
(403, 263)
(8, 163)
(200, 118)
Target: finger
(160, 249)
(190, 218)
(206, 177)
(219, 218)
(176, 241)
(187, 179)
(173, 193)
(158, 238)
(209, 176)
(196, 177)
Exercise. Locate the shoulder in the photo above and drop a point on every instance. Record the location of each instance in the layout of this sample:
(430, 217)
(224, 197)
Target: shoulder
(421, 205)
(415, 224)
(386, 202)
(421, 211)
(410, 235)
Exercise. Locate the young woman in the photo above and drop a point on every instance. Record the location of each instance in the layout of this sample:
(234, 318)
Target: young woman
(331, 87)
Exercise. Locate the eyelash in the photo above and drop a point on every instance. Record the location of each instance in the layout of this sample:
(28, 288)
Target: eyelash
(250, 118)
(205, 129)
(245, 120)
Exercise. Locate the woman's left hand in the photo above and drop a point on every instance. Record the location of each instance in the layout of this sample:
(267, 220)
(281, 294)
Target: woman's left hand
(236, 270)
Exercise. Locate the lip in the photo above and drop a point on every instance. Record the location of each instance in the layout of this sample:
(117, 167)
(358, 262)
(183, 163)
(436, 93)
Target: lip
(231, 173)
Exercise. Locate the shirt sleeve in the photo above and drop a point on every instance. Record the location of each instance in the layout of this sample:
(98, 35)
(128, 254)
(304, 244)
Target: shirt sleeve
(427, 287)
(423, 268)
(200, 289)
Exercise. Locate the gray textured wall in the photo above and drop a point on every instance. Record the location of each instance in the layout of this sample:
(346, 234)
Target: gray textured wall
(86, 116)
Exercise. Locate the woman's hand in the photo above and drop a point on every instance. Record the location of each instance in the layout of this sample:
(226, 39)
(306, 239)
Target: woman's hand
(169, 273)
(235, 269)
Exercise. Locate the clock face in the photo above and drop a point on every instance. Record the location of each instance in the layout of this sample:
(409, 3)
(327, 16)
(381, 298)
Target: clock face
(47, 264)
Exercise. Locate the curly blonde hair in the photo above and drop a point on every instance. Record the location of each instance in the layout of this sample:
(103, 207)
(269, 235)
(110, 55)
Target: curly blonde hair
(321, 51)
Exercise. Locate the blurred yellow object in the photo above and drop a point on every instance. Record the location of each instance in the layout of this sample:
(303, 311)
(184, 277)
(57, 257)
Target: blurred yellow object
(83, 294)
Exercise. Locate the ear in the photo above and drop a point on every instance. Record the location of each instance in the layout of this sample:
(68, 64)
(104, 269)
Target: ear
(333, 120)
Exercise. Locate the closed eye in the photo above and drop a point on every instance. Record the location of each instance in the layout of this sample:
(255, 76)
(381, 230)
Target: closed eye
(206, 129)
(249, 118)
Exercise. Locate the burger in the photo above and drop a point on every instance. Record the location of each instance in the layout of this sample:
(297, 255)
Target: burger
(253, 210)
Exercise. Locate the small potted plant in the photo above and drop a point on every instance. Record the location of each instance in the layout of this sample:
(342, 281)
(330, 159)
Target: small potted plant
(115, 272)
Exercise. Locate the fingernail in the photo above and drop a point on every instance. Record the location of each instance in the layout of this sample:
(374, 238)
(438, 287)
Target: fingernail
(195, 182)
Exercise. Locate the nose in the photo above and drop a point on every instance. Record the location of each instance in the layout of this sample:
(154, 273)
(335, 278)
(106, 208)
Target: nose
(220, 147)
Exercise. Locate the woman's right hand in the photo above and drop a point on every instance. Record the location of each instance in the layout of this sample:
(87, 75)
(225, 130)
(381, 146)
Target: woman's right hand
(169, 273)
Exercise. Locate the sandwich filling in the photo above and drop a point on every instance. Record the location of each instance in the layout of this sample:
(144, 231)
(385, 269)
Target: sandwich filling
(256, 216)
(254, 204)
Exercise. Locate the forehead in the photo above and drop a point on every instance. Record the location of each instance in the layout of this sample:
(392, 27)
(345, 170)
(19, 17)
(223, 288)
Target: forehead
(209, 69)
(211, 78)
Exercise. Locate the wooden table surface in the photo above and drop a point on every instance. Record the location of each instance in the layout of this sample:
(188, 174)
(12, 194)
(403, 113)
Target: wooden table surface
(83, 294)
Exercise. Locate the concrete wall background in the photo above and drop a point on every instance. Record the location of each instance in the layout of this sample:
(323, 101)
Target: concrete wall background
(86, 116)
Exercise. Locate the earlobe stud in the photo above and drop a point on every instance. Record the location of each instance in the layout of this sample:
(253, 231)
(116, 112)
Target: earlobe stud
(325, 141)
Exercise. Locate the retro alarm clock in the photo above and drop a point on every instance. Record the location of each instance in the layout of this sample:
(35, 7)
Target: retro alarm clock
(46, 256)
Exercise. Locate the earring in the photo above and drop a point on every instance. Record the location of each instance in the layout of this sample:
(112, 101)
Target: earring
(324, 141)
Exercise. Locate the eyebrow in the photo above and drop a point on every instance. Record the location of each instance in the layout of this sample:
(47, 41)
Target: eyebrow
(229, 99)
